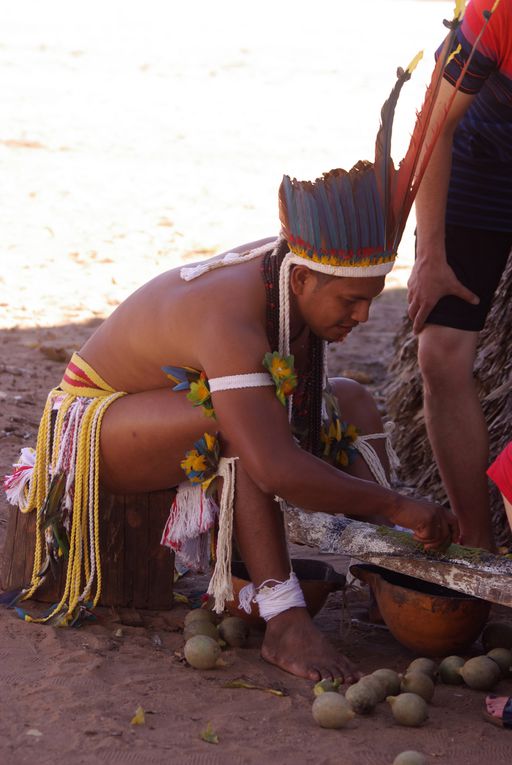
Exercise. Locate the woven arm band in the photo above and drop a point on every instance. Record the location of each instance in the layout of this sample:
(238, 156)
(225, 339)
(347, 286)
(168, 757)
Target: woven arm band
(235, 382)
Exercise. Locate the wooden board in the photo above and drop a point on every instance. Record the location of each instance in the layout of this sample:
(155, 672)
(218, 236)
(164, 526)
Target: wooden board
(137, 572)
(482, 575)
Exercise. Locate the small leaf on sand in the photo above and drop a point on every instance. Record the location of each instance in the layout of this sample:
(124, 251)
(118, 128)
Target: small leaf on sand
(241, 683)
(209, 735)
(139, 718)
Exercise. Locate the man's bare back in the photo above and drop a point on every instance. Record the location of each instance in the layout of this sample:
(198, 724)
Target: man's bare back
(168, 321)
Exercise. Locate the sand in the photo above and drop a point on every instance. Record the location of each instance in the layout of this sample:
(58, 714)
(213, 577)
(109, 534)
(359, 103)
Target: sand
(136, 137)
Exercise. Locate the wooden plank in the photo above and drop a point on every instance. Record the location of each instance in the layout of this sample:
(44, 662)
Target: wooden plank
(160, 558)
(18, 557)
(482, 575)
(8, 558)
(137, 572)
(136, 520)
(112, 532)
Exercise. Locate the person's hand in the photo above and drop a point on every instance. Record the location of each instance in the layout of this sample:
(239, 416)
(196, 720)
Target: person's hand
(434, 526)
(430, 280)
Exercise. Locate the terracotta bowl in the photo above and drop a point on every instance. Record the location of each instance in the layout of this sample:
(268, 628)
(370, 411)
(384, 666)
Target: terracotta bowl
(317, 580)
(428, 619)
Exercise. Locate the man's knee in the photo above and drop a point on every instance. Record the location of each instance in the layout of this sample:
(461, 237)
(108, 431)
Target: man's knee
(349, 392)
(446, 357)
(357, 404)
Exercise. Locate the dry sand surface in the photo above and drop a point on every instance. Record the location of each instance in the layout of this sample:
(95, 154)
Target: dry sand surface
(135, 137)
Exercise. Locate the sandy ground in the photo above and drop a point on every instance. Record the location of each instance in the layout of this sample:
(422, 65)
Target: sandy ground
(136, 137)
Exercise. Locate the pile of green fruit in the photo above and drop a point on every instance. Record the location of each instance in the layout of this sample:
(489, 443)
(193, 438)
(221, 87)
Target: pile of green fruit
(410, 693)
(204, 637)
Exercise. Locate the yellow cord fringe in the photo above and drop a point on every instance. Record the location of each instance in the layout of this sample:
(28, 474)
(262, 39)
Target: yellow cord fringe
(84, 566)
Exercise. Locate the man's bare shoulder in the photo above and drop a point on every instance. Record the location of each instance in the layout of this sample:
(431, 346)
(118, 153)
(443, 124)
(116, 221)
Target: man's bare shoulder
(231, 333)
(215, 322)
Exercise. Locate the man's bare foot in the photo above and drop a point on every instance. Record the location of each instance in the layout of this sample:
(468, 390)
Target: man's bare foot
(499, 710)
(294, 644)
(483, 540)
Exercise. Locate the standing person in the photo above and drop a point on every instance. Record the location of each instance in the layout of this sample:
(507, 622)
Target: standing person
(464, 236)
(500, 472)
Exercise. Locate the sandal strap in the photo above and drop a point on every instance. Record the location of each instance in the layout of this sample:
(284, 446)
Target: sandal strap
(507, 714)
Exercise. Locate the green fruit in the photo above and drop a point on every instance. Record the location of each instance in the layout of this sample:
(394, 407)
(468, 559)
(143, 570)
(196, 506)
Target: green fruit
(480, 673)
(378, 686)
(327, 686)
(234, 631)
(423, 665)
(497, 635)
(199, 614)
(202, 652)
(408, 709)
(410, 758)
(201, 627)
(390, 679)
(503, 658)
(449, 670)
(331, 710)
(362, 697)
(419, 683)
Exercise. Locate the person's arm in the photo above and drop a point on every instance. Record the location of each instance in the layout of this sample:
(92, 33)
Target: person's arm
(254, 426)
(431, 277)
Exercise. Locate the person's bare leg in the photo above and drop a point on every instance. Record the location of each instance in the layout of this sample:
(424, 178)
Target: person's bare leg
(357, 406)
(144, 437)
(292, 642)
(456, 427)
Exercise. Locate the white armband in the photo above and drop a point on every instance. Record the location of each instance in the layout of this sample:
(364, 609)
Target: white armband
(236, 382)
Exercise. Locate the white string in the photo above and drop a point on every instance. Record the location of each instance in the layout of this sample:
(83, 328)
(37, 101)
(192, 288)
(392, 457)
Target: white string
(273, 601)
(235, 382)
(221, 585)
(188, 273)
(371, 457)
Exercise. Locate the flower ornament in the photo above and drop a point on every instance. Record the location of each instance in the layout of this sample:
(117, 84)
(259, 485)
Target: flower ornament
(337, 437)
(196, 383)
(281, 369)
(199, 395)
(201, 463)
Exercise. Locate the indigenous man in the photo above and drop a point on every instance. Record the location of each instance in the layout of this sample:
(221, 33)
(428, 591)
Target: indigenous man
(464, 236)
(242, 337)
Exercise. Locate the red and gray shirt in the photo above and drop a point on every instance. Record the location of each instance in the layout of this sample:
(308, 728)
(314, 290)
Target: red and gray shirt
(480, 192)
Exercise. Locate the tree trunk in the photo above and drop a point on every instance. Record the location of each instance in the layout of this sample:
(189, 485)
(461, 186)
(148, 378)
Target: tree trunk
(464, 569)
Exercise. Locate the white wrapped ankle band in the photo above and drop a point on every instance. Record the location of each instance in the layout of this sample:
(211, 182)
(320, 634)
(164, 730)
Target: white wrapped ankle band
(272, 601)
(235, 382)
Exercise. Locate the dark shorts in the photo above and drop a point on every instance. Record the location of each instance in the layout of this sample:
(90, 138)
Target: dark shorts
(478, 258)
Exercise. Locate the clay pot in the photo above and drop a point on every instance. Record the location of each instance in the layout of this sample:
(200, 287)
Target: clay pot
(426, 618)
(317, 580)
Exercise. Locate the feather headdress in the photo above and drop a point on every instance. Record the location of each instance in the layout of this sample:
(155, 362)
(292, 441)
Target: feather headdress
(351, 223)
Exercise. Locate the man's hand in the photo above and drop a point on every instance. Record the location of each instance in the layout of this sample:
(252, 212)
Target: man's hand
(434, 526)
(430, 280)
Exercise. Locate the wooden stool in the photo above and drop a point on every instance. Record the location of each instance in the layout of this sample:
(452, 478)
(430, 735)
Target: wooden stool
(137, 571)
